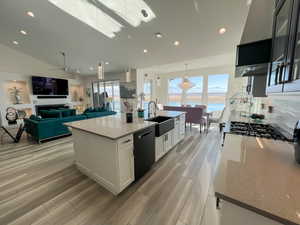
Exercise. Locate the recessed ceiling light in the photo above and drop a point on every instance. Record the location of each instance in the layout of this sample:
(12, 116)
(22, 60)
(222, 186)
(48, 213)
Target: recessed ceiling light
(15, 42)
(145, 51)
(23, 32)
(222, 30)
(106, 63)
(31, 14)
(158, 35)
(176, 43)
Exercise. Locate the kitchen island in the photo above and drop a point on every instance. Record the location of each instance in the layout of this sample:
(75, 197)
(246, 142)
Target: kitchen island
(115, 153)
(260, 175)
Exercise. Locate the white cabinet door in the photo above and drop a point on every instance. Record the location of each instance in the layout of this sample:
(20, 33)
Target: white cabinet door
(126, 166)
(159, 147)
(182, 126)
(168, 141)
(126, 161)
(176, 131)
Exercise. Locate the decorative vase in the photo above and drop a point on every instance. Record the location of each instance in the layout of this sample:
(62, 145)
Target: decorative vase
(129, 117)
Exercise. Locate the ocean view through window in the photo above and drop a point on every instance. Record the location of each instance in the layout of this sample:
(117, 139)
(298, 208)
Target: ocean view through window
(217, 90)
(216, 86)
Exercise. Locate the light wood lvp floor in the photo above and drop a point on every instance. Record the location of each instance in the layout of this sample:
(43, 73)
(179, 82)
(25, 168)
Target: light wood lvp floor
(39, 184)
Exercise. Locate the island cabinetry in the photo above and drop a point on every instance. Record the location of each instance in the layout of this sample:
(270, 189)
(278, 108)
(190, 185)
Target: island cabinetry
(166, 142)
(176, 132)
(182, 127)
(159, 147)
(107, 161)
(163, 144)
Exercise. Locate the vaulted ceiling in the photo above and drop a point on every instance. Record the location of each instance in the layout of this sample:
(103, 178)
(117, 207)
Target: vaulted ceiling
(195, 23)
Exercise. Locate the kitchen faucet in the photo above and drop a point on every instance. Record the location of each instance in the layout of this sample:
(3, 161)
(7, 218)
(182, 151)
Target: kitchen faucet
(149, 107)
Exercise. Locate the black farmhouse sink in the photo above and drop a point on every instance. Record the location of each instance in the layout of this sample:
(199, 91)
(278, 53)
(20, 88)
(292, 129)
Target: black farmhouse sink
(164, 124)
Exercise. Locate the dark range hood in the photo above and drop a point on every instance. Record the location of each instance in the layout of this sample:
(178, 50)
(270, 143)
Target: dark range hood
(252, 59)
(252, 70)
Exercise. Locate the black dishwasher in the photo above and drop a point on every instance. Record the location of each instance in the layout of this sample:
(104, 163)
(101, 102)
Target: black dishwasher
(144, 151)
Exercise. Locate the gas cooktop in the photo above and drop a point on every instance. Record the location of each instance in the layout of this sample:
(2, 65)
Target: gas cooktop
(255, 130)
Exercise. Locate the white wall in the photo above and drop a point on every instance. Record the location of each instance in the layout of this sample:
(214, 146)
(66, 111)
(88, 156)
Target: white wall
(14, 61)
(17, 66)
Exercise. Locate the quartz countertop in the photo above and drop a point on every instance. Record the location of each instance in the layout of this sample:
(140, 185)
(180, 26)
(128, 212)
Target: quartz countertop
(113, 127)
(172, 114)
(260, 175)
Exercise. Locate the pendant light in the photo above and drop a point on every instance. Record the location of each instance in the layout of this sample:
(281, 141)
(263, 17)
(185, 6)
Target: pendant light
(100, 71)
(128, 76)
(186, 84)
(158, 81)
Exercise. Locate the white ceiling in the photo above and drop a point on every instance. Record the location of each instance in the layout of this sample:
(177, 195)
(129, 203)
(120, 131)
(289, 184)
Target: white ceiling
(259, 22)
(194, 23)
(190, 65)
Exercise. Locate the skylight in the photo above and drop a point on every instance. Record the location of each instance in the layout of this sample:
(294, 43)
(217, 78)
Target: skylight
(89, 14)
(133, 11)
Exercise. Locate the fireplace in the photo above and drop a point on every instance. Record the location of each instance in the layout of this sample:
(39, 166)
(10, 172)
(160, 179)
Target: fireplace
(38, 108)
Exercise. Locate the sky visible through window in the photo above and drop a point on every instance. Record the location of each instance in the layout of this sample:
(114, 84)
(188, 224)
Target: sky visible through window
(198, 82)
(175, 89)
(217, 89)
(218, 83)
(147, 88)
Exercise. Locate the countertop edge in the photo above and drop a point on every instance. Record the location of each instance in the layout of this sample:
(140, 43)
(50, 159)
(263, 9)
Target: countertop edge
(109, 137)
(254, 209)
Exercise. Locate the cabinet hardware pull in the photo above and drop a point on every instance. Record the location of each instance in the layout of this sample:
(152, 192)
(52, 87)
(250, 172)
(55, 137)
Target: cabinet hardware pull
(145, 134)
(127, 141)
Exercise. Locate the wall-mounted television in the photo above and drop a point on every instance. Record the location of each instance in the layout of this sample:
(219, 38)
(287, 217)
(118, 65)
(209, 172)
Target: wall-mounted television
(49, 86)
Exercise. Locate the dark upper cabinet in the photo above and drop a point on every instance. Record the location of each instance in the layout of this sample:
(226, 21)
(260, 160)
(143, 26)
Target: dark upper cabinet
(280, 44)
(292, 75)
(284, 71)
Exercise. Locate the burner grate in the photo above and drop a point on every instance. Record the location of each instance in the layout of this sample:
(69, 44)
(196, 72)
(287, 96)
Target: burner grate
(256, 130)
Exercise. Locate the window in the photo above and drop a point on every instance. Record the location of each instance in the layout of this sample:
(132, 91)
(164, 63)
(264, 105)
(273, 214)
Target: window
(112, 88)
(214, 97)
(194, 95)
(178, 96)
(147, 92)
(174, 92)
(217, 90)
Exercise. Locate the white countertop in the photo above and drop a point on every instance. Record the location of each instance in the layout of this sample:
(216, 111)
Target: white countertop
(261, 174)
(113, 127)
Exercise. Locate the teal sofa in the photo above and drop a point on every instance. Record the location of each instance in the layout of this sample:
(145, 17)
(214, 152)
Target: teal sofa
(50, 123)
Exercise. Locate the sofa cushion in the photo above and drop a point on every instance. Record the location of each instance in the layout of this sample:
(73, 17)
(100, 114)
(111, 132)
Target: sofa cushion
(68, 112)
(88, 110)
(50, 113)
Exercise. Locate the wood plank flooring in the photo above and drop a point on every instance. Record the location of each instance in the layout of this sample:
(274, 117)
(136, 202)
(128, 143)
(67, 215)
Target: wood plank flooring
(39, 184)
